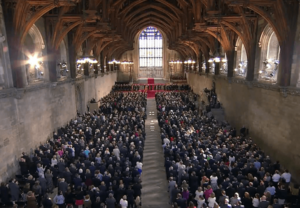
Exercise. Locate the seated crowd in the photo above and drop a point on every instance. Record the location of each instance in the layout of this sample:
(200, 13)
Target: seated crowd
(178, 77)
(94, 161)
(209, 165)
(122, 87)
(137, 87)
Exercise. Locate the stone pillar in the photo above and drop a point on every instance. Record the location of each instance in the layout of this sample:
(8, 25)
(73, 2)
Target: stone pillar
(72, 55)
(251, 56)
(6, 80)
(207, 66)
(86, 69)
(52, 64)
(217, 68)
(230, 62)
(15, 50)
(200, 59)
(101, 62)
(287, 47)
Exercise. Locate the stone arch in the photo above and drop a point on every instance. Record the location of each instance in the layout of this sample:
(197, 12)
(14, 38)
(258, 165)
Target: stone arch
(270, 51)
(241, 60)
(37, 37)
(135, 53)
(62, 60)
(33, 46)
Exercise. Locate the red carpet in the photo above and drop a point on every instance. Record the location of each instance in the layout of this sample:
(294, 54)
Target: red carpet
(151, 94)
(150, 81)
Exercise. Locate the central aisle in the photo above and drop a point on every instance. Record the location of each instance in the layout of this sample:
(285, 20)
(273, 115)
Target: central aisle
(154, 191)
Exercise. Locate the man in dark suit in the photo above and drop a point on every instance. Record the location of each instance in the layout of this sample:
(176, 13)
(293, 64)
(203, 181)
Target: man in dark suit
(181, 202)
(110, 201)
(263, 202)
(251, 190)
(63, 186)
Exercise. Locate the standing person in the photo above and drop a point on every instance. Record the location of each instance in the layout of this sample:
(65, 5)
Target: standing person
(110, 201)
(47, 202)
(59, 200)
(246, 201)
(208, 192)
(255, 201)
(31, 200)
(211, 200)
(214, 181)
(138, 202)
(124, 202)
(79, 197)
(170, 188)
(87, 202)
(49, 178)
(37, 190)
(14, 190)
(4, 194)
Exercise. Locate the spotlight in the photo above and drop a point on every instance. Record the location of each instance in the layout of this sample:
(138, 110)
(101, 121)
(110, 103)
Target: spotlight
(33, 60)
(217, 59)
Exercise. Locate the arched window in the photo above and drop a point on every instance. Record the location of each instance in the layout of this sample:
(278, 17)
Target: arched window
(241, 59)
(270, 51)
(150, 48)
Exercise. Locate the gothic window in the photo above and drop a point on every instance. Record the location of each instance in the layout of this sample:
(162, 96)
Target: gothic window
(270, 51)
(241, 59)
(150, 48)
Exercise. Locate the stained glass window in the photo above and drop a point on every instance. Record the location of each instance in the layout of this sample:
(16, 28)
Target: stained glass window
(150, 48)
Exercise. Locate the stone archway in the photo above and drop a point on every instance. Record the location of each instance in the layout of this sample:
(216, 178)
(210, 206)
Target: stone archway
(151, 53)
(270, 52)
(32, 48)
(37, 38)
(241, 59)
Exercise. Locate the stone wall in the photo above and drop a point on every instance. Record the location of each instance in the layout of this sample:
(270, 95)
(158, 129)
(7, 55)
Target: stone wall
(273, 120)
(29, 116)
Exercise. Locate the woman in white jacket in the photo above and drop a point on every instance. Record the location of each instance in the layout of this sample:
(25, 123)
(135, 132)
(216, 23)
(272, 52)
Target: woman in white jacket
(124, 202)
(211, 200)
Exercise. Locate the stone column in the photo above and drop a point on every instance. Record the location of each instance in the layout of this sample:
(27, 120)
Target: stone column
(251, 55)
(72, 55)
(15, 50)
(217, 68)
(230, 62)
(86, 69)
(6, 80)
(287, 46)
(101, 62)
(52, 64)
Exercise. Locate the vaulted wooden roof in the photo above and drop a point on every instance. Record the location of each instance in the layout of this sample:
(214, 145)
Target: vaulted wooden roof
(190, 25)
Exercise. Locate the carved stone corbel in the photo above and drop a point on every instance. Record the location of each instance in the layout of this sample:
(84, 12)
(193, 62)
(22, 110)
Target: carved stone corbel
(19, 93)
(249, 84)
(284, 91)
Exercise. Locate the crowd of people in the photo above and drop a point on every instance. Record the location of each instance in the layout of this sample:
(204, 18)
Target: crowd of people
(212, 98)
(209, 165)
(122, 87)
(145, 87)
(178, 77)
(94, 161)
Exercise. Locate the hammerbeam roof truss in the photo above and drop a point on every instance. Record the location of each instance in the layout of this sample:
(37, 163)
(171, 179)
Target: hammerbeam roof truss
(191, 26)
